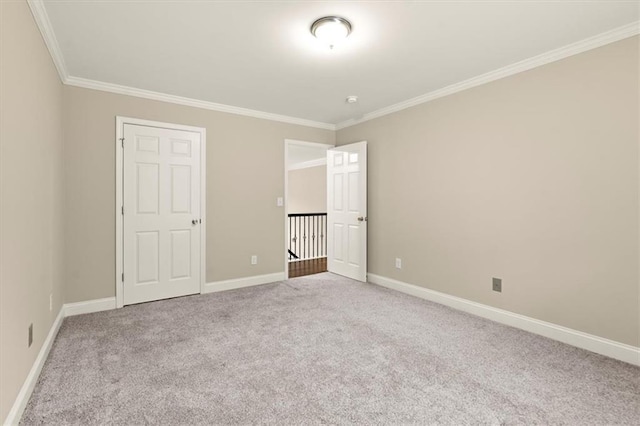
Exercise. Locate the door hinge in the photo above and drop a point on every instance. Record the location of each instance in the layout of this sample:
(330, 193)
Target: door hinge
(123, 277)
(122, 142)
(122, 210)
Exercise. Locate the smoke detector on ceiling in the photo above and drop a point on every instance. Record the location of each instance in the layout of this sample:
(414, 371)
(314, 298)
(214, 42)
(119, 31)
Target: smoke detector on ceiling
(352, 99)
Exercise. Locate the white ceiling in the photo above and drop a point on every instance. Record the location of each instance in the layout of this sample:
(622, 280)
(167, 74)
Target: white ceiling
(260, 54)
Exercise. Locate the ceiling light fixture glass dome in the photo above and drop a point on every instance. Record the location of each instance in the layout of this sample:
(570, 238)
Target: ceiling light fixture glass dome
(331, 29)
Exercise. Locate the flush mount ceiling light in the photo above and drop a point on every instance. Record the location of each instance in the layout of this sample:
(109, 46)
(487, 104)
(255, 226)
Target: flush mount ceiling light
(331, 29)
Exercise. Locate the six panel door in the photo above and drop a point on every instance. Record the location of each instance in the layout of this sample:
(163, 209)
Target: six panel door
(347, 210)
(161, 213)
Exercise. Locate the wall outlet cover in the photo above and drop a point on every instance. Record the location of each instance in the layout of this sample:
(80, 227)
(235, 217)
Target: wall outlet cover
(497, 285)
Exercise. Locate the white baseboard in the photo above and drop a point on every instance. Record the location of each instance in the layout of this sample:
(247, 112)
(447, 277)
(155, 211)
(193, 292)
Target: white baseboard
(610, 348)
(215, 286)
(13, 418)
(67, 310)
(89, 306)
(97, 305)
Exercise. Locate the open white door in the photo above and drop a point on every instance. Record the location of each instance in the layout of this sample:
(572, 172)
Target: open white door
(161, 213)
(347, 210)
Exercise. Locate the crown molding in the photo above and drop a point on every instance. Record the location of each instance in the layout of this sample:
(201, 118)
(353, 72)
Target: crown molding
(590, 43)
(42, 20)
(157, 96)
(44, 25)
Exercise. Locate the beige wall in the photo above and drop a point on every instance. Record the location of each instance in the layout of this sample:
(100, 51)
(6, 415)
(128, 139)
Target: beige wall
(307, 190)
(532, 178)
(245, 175)
(31, 226)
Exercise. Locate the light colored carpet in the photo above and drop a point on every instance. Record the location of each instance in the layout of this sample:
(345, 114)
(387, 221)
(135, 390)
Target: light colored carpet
(315, 350)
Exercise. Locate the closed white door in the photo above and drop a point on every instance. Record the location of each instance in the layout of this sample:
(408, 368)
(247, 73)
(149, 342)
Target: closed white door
(161, 186)
(347, 210)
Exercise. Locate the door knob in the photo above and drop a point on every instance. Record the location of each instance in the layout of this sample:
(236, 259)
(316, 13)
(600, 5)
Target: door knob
(194, 221)
(362, 219)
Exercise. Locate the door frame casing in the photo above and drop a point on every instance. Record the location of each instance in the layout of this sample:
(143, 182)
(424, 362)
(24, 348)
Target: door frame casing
(287, 144)
(120, 122)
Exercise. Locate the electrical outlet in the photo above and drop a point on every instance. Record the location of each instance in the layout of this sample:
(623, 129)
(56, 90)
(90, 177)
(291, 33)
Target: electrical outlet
(497, 285)
(279, 201)
(50, 302)
(254, 260)
(398, 263)
(30, 334)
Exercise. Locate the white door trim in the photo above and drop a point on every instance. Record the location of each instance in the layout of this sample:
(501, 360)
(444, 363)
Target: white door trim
(287, 144)
(120, 122)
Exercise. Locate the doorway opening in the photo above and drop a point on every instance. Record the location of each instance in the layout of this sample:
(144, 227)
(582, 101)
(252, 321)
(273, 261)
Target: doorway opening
(305, 208)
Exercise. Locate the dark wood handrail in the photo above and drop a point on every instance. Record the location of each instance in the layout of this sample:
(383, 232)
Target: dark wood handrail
(306, 214)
